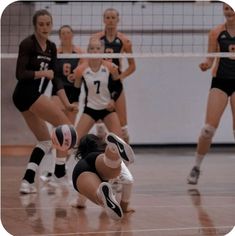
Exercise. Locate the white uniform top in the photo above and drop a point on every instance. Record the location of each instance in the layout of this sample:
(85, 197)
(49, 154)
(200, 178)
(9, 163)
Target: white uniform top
(96, 84)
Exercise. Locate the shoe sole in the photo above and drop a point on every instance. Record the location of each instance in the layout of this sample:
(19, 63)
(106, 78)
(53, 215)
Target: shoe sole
(110, 204)
(124, 149)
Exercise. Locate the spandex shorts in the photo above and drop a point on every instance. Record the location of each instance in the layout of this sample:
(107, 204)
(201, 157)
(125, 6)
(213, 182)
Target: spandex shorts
(117, 87)
(71, 93)
(24, 96)
(87, 164)
(226, 85)
(96, 114)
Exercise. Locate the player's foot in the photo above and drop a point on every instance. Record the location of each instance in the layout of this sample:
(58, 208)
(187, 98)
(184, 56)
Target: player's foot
(27, 188)
(46, 177)
(194, 175)
(111, 206)
(124, 150)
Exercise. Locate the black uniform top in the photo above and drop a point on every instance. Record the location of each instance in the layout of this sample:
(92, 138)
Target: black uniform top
(65, 67)
(226, 67)
(32, 58)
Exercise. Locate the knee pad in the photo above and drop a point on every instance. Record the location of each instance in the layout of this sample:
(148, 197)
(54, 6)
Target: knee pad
(46, 146)
(208, 131)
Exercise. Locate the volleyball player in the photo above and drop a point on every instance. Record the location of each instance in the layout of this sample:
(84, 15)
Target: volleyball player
(221, 39)
(64, 72)
(117, 42)
(36, 65)
(100, 162)
(100, 96)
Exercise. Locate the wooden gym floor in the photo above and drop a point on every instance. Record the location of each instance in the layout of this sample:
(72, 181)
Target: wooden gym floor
(165, 204)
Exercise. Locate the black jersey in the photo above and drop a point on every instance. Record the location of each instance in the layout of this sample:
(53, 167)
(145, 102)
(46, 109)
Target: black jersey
(226, 66)
(113, 47)
(32, 58)
(65, 67)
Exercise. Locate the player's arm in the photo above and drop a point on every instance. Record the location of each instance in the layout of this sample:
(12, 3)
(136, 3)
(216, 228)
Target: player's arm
(212, 48)
(78, 74)
(127, 48)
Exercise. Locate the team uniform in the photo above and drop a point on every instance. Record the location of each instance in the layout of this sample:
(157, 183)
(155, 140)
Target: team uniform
(32, 58)
(87, 164)
(116, 46)
(65, 67)
(224, 70)
(98, 88)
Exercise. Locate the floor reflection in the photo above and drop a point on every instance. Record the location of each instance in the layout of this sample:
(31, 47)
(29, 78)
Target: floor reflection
(49, 211)
(208, 228)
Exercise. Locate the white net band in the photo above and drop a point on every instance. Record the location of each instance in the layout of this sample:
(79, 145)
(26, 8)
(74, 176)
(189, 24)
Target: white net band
(131, 55)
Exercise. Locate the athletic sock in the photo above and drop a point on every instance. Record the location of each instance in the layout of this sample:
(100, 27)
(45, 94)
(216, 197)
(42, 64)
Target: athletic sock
(60, 170)
(34, 162)
(198, 160)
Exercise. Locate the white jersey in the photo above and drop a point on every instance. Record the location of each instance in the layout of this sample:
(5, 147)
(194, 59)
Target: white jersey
(97, 88)
(97, 84)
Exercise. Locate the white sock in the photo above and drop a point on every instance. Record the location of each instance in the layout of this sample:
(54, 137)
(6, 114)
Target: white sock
(198, 160)
(60, 160)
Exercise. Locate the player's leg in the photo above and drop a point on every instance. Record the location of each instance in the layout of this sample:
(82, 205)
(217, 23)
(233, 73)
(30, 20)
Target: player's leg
(120, 107)
(43, 147)
(91, 186)
(216, 104)
(100, 129)
(232, 102)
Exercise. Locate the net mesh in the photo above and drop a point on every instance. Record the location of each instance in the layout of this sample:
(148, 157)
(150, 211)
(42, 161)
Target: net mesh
(154, 27)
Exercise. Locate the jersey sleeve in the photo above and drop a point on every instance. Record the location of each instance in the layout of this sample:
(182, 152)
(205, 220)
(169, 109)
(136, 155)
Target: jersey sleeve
(22, 70)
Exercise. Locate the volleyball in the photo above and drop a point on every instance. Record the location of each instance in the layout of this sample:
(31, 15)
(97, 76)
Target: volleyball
(64, 137)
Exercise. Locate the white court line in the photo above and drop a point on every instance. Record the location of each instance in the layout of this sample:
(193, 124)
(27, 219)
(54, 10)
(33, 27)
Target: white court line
(144, 230)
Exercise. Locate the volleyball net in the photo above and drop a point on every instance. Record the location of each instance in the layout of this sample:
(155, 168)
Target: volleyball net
(156, 28)
(165, 94)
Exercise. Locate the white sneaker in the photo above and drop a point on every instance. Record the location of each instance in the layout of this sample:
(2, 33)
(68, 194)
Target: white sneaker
(194, 175)
(46, 177)
(55, 182)
(111, 206)
(124, 150)
(26, 187)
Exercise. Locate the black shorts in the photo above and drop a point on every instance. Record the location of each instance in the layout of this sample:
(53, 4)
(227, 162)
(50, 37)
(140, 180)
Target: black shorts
(96, 114)
(24, 96)
(226, 85)
(70, 91)
(86, 164)
(117, 87)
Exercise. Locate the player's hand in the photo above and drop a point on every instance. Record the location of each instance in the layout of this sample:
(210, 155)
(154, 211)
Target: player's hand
(72, 107)
(49, 74)
(111, 106)
(71, 78)
(204, 66)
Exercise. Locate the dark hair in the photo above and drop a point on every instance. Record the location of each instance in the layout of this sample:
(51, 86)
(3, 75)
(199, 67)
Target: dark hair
(89, 143)
(41, 12)
(65, 26)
